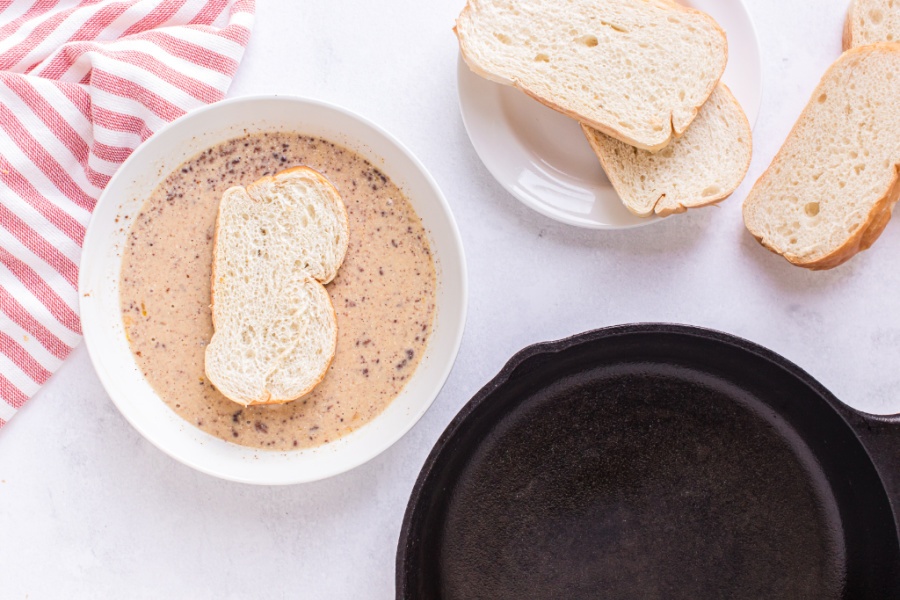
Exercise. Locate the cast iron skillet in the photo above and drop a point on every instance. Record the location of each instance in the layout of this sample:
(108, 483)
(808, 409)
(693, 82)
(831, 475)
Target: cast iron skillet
(655, 461)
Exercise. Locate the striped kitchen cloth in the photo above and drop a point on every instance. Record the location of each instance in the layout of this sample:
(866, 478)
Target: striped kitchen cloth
(82, 84)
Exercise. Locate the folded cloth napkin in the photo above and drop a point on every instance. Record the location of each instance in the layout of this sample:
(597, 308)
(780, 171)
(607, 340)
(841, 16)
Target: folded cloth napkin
(82, 84)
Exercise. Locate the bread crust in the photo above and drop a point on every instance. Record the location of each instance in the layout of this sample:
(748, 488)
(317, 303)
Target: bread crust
(847, 36)
(268, 399)
(610, 174)
(879, 214)
(680, 208)
(674, 131)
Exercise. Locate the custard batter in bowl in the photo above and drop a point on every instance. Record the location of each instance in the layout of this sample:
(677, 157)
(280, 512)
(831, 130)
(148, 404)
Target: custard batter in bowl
(383, 294)
(399, 297)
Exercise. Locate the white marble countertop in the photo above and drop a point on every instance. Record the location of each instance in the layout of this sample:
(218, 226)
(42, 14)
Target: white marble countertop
(88, 509)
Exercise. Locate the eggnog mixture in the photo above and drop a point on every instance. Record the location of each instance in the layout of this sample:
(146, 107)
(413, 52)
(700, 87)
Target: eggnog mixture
(383, 295)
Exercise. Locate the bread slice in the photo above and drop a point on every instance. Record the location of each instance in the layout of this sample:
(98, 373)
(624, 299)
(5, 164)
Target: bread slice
(277, 242)
(830, 190)
(702, 167)
(872, 22)
(637, 70)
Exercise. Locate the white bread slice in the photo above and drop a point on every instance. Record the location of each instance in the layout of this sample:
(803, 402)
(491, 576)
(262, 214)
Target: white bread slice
(872, 22)
(277, 242)
(702, 167)
(830, 190)
(637, 70)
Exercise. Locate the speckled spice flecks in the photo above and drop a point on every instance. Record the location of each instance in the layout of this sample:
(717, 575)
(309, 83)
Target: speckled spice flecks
(383, 295)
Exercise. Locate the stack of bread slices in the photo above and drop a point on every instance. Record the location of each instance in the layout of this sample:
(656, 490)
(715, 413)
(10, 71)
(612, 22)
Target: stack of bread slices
(830, 190)
(642, 78)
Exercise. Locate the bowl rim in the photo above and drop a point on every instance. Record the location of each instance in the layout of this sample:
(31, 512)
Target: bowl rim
(440, 377)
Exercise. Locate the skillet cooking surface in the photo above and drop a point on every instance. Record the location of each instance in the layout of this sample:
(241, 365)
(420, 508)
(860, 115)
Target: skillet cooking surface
(649, 462)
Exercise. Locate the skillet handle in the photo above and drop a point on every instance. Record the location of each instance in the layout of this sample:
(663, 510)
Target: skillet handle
(880, 436)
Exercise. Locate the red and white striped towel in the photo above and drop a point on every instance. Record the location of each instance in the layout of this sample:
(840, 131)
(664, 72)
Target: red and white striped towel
(82, 84)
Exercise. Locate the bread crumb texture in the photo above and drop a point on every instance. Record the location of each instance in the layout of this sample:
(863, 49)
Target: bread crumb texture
(872, 22)
(702, 167)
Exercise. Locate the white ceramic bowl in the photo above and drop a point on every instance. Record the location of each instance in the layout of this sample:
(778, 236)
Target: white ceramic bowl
(102, 324)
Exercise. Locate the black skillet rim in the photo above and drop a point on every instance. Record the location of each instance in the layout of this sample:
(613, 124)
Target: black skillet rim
(552, 347)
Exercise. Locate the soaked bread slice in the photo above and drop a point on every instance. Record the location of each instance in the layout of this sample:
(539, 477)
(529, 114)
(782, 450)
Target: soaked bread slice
(637, 70)
(830, 190)
(872, 22)
(278, 241)
(702, 167)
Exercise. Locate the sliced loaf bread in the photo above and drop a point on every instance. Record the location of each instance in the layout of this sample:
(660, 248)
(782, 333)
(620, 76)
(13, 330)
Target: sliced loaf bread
(830, 190)
(637, 70)
(277, 242)
(702, 167)
(872, 22)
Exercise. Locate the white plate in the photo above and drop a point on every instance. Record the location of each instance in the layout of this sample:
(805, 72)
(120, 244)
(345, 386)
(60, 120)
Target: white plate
(541, 156)
(104, 332)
